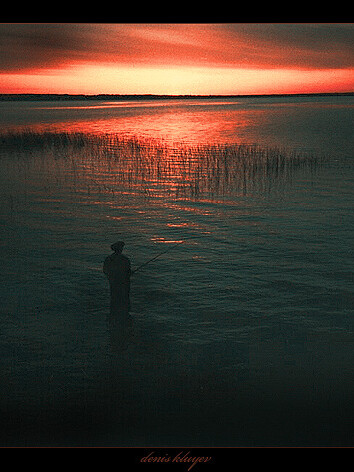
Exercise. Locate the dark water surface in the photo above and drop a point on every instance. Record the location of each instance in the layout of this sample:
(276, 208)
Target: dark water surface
(242, 335)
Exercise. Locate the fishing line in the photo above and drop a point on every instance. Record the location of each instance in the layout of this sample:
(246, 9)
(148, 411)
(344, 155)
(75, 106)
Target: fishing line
(163, 252)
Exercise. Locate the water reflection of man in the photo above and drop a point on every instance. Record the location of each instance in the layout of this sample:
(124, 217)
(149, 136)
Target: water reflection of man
(118, 270)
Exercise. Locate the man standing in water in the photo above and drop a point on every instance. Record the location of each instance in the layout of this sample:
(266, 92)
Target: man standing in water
(117, 269)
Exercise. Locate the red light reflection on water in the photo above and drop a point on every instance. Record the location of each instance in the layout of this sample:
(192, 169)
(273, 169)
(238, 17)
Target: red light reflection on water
(194, 122)
(166, 241)
(164, 158)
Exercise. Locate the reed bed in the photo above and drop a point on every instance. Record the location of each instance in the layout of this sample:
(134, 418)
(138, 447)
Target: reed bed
(154, 168)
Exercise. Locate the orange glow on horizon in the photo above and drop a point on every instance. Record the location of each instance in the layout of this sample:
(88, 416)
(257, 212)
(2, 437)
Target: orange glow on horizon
(95, 79)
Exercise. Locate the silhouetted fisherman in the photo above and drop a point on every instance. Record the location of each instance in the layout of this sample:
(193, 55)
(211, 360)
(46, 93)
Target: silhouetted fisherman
(118, 270)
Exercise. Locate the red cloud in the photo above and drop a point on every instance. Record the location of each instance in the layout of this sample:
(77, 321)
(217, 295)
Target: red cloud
(300, 46)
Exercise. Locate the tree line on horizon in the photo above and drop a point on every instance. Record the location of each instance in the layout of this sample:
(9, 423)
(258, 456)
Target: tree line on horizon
(65, 96)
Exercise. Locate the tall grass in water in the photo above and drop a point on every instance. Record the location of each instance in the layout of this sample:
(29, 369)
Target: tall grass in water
(155, 168)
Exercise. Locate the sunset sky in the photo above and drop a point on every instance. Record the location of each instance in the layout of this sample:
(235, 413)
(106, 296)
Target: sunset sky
(201, 58)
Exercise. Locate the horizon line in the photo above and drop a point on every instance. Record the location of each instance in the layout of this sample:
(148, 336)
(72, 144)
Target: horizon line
(162, 96)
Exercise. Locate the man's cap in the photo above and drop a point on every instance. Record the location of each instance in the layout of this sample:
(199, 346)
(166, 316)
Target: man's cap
(118, 245)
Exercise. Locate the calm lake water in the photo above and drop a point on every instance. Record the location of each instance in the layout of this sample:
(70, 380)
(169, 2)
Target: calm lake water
(242, 333)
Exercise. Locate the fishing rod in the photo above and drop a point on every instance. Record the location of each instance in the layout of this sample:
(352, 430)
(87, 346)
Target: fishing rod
(161, 253)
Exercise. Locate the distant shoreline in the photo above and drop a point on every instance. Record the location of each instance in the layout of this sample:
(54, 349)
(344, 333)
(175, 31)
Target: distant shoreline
(103, 97)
